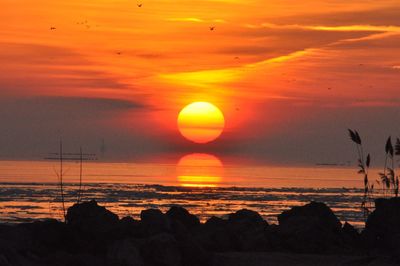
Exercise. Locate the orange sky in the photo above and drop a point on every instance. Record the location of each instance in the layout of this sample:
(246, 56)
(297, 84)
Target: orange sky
(283, 73)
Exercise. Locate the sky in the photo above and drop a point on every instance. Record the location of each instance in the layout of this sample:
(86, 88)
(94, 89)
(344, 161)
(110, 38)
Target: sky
(289, 76)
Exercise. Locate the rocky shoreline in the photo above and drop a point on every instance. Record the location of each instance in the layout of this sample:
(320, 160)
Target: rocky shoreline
(305, 235)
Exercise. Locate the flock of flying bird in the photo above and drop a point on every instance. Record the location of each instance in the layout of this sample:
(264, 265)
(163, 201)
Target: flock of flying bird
(138, 5)
(211, 28)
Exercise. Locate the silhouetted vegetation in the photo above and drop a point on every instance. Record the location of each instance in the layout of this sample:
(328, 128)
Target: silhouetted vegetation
(388, 176)
(363, 164)
(389, 180)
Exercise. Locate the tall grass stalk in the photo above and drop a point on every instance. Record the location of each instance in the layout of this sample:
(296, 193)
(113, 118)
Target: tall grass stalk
(363, 164)
(389, 180)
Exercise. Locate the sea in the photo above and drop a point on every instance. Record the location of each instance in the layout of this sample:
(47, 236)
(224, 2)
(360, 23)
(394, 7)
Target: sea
(202, 183)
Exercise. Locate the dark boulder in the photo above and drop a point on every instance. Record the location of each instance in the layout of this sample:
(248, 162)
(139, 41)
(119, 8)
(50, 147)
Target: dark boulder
(382, 229)
(351, 238)
(161, 250)
(316, 212)
(214, 235)
(242, 231)
(273, 238)
(312, 228)
(124, 253)
(215, 222)
(177, 213)
(154, 222)
(16, 236)
(88, 217)
(350, 231)
(248, 217)
(128, 227)
(49, 235)
(192, 252)
(75, 259)
(246, 228)
(11, 256)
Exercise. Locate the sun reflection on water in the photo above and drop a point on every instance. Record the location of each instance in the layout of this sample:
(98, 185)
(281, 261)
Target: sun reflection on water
(199, 170)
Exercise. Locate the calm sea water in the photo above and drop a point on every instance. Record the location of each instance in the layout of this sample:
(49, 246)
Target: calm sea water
(199, 182)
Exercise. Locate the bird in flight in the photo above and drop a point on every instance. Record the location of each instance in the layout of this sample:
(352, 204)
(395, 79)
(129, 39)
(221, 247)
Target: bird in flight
(139, 5)
(118, 53)
(212, 28)
(52, 28)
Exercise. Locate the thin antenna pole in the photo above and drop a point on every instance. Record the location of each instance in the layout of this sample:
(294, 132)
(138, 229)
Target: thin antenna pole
(61, 178)
(80, 175)
(61, 157)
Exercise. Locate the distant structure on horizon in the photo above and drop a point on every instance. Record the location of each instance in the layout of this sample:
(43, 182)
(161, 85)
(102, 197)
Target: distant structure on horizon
(348, 163)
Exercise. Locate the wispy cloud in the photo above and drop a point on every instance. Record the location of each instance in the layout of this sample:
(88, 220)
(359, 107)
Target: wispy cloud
(369, 28)
(198, 20)
(185, 19)
(280, 59)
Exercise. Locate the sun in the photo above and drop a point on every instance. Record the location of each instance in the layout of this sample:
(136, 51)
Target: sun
(201, 122)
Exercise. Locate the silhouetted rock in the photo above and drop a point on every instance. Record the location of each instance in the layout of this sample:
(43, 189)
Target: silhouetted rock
(352, 242)
(128, 227)
(382, 229)
(16, 236)
(154, 221)
(50, 236)
(349, 230)
(312, 228)
(246, 228)
(273, 238)
(290, 259)
(180, 214)
(249, 217)
(10, 256)
(161, 250)
(95, 236)
(124, 253)
(127, 220)
(75, 259)
(350, 235)
(215, 222)
(242, 231)
(214, 235)
(88, 217)
(192, 252)
(316, 212)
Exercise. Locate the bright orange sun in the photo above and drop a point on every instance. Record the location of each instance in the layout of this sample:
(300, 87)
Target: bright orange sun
(201, 122)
